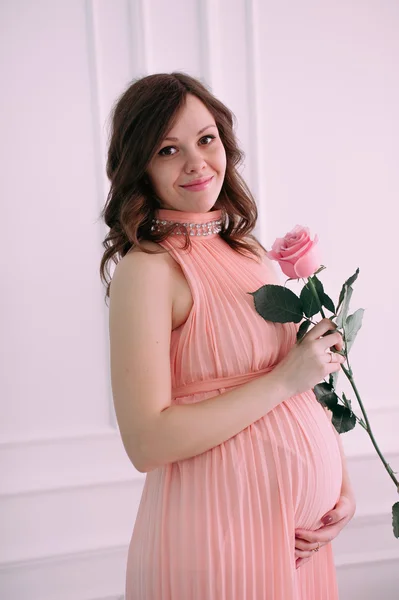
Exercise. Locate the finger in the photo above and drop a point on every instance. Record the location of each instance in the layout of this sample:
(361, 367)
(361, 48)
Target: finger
(334, 516)
(312, 536)
(304, 553)
(339, 345)
(301, 561)
(320, 328)
(342, 510)
(304, 534)
(330, 341)
(335, 364)
(333, 357)
(325, 534)
(332, 530)
(303, 545)
(328, 519)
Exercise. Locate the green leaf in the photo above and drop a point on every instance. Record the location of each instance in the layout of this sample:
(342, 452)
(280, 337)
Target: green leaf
(302, 330)
(333, 378)
(321, 389)
(395, 519)
(324, 299)
(343, 312)
(328, 303)
(352, 325)
(278, 304)
(318, 285)
(309, 302)
(325, 395)
(347, 284)
(353, 278)
(347, 401)
(310, 305)
(343, 419)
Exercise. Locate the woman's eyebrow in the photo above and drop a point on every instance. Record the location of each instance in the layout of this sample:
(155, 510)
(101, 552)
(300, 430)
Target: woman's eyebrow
(174, 139)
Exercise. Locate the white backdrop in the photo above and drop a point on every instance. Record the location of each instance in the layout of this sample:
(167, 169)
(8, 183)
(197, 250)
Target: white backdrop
(315, 88)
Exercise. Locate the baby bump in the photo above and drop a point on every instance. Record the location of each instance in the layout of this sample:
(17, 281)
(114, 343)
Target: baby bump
(283, 471)
(290, 457)
(301, 444)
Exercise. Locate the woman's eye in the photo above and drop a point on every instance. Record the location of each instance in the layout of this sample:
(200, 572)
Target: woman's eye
(166, 151)
(207, 137)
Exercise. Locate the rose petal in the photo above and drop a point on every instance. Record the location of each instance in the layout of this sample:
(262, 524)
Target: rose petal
(296, 253)
(308, 264)
(298, 250)
(288, 269)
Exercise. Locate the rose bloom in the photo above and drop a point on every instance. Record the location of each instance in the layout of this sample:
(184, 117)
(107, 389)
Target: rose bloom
(297, 255)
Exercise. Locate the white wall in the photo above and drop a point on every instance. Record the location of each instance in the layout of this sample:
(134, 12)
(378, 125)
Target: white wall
(315, 88)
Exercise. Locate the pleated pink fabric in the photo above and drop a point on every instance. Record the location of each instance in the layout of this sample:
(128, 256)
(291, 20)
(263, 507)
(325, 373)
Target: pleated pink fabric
(221, 525)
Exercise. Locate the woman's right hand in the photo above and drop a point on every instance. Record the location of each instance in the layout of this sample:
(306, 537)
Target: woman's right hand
(308, 363)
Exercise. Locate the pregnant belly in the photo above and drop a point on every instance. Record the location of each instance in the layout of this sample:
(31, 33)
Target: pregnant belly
(301, 457)
(287, 462)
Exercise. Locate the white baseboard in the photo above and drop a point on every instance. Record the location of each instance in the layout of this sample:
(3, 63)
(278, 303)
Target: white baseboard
(366, 558)
(369, 580)
(97, 574)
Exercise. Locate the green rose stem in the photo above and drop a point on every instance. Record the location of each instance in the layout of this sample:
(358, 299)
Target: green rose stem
(348, 374)
(386, 465)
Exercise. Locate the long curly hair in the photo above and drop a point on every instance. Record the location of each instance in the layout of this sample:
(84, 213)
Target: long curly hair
(140, 120)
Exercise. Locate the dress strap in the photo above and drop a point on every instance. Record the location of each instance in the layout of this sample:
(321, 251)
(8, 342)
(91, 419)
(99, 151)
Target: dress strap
(211, 385)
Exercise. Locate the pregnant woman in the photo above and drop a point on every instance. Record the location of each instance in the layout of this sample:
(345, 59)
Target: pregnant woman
(213, 403)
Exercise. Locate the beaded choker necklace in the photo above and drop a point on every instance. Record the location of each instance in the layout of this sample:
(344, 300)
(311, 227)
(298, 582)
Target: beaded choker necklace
(196, 224)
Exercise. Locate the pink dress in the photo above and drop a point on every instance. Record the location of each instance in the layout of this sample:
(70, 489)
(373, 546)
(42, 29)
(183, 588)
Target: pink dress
(221, 525)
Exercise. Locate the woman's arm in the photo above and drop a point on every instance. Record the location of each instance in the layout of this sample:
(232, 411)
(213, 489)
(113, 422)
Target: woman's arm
(155, 431)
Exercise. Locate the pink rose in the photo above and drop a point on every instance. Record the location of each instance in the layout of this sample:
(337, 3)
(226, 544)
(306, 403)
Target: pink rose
(296, 254)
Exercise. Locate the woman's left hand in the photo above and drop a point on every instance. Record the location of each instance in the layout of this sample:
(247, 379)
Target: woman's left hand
(334, 521)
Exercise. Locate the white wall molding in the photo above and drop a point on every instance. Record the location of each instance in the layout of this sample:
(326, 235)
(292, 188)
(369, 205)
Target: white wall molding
(67, 521)
(256, 146)
(139, 37)
(77, 461)
(211, 60)
(98, 456)
(367, 538)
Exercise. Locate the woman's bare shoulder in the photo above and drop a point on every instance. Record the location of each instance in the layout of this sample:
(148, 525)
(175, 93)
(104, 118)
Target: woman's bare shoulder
(136, 260)
(148, 245)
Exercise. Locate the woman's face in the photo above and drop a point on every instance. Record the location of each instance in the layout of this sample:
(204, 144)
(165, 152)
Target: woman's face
(192, 151)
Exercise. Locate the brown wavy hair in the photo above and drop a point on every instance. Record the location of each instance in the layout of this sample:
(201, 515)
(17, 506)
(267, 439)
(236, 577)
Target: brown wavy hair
(140, 120)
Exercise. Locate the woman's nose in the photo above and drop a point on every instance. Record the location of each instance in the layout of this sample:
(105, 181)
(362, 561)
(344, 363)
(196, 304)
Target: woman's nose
(194, 161)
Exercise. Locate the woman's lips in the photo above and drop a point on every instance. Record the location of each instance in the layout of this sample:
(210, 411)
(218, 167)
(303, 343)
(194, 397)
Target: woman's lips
(197, 187)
